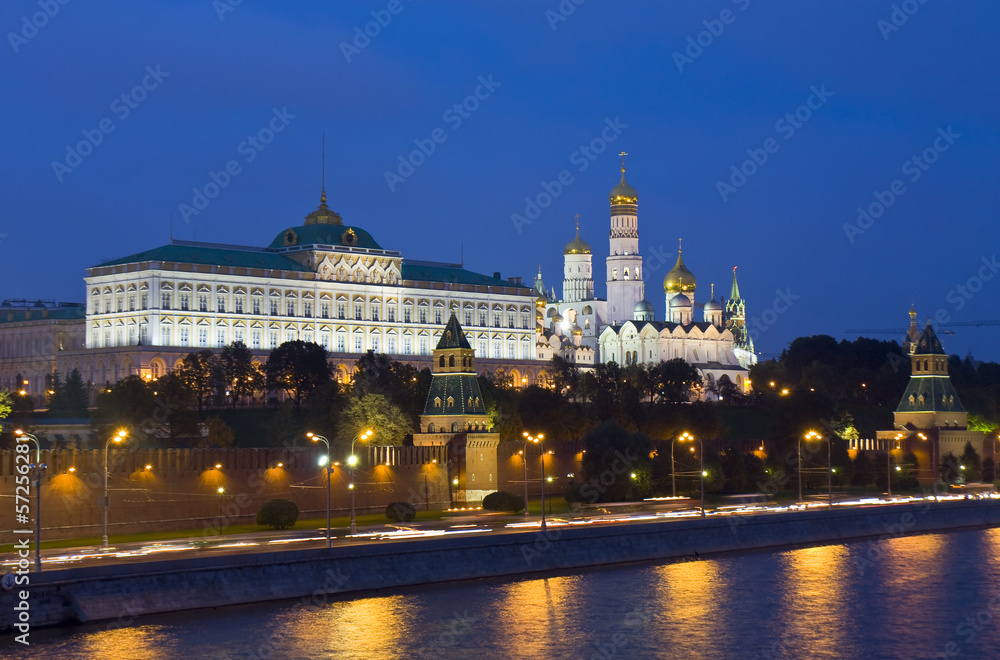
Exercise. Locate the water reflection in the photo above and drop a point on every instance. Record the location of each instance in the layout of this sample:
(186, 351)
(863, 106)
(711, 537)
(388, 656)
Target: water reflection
(543, 612)
(366, 628)
(144, 643)
(816, 608)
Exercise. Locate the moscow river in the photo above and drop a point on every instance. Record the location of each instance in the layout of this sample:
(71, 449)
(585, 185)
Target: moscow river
(931, 596)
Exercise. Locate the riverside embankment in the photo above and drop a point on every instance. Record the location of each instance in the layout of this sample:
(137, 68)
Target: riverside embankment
(121, 592)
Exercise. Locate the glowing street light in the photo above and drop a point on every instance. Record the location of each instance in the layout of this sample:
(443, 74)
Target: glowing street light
(813, 435)
(536, 439)
(117, 438)
(352, 460)
(38, 466)
(325, 461)
(685, 437)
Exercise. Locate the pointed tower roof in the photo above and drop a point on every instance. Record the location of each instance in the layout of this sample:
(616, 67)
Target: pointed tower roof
(323, 215)
(929, 344)
(734, 294)
(539, 284)
(453, 336)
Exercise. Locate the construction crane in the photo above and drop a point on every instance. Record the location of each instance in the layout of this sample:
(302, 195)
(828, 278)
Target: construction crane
(902, 331)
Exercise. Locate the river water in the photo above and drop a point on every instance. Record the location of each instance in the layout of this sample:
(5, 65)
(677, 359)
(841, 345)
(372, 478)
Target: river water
(931, 596)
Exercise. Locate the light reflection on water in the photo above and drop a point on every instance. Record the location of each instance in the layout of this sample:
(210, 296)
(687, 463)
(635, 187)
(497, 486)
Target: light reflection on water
(890, 598)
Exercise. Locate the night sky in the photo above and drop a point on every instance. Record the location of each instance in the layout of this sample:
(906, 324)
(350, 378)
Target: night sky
(884, 88)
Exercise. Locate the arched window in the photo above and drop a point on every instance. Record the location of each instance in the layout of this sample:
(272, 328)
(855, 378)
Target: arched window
(451, 360)
(441, 361)
(454, 427)
(430, 427)
(625, 275)
(926, 362)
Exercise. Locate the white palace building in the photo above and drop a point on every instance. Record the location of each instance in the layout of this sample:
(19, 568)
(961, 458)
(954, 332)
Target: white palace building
(321, 281)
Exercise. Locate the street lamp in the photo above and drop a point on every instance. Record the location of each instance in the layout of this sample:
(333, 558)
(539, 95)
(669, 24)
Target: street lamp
(352, 460)
(812, 435)
(524, 465)
(118, 437)
(21, 435)
(701, 461)
(673, 481)
(329, 468)
(537, 439)
(888, 464)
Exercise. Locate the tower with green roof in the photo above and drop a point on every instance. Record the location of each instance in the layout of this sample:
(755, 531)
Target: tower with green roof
(930, 421)
(455, 416)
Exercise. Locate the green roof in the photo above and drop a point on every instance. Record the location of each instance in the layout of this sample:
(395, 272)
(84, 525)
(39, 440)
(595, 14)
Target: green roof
(63, 312)
(930, 394)
(212, 256)
(460, 387)
(325, 234)
(453, 337)
(423, 272)
(929, 344)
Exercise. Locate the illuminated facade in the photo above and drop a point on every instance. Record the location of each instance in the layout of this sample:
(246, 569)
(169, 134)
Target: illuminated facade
(321, 281)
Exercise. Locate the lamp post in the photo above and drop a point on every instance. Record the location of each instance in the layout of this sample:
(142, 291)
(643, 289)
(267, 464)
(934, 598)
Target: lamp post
(118, 437)
(352, 460)
(21, 435)
(813, 435)
(701, 463)
(536, 439)
(329, 468)
(673, 481)
(888, 464)
(524, 465)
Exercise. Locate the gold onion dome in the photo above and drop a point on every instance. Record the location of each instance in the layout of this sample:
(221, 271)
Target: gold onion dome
(679, 278)
(576, 329)
(577, 245)
(624, 193)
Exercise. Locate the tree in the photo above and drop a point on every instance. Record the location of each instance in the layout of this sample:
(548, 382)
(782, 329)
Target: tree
(612, 456)
(69, 398)
(673, 380)
(237, 370)
(6, 405)
(75, 397)
(278, 514)
(127, 404)
(297, 368)
(219, 434)
(199, 373)
(374, 411)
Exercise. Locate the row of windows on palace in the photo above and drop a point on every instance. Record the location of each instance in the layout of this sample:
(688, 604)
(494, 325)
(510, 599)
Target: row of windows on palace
(357, 306)
(359, 342)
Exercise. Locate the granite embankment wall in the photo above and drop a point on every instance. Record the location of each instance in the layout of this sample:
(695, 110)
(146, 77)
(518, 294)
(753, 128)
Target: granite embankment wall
(118, 593)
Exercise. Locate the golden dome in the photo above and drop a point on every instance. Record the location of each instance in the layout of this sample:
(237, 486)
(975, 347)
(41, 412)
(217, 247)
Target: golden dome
(679, 278)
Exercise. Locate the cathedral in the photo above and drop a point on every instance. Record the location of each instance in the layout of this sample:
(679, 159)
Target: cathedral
(585, 329)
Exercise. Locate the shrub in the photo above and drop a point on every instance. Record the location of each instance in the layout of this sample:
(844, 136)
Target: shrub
(400, 512)
(278, 514)
(503, 501)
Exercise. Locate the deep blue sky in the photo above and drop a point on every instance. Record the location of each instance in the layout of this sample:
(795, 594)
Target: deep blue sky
(784, 227)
